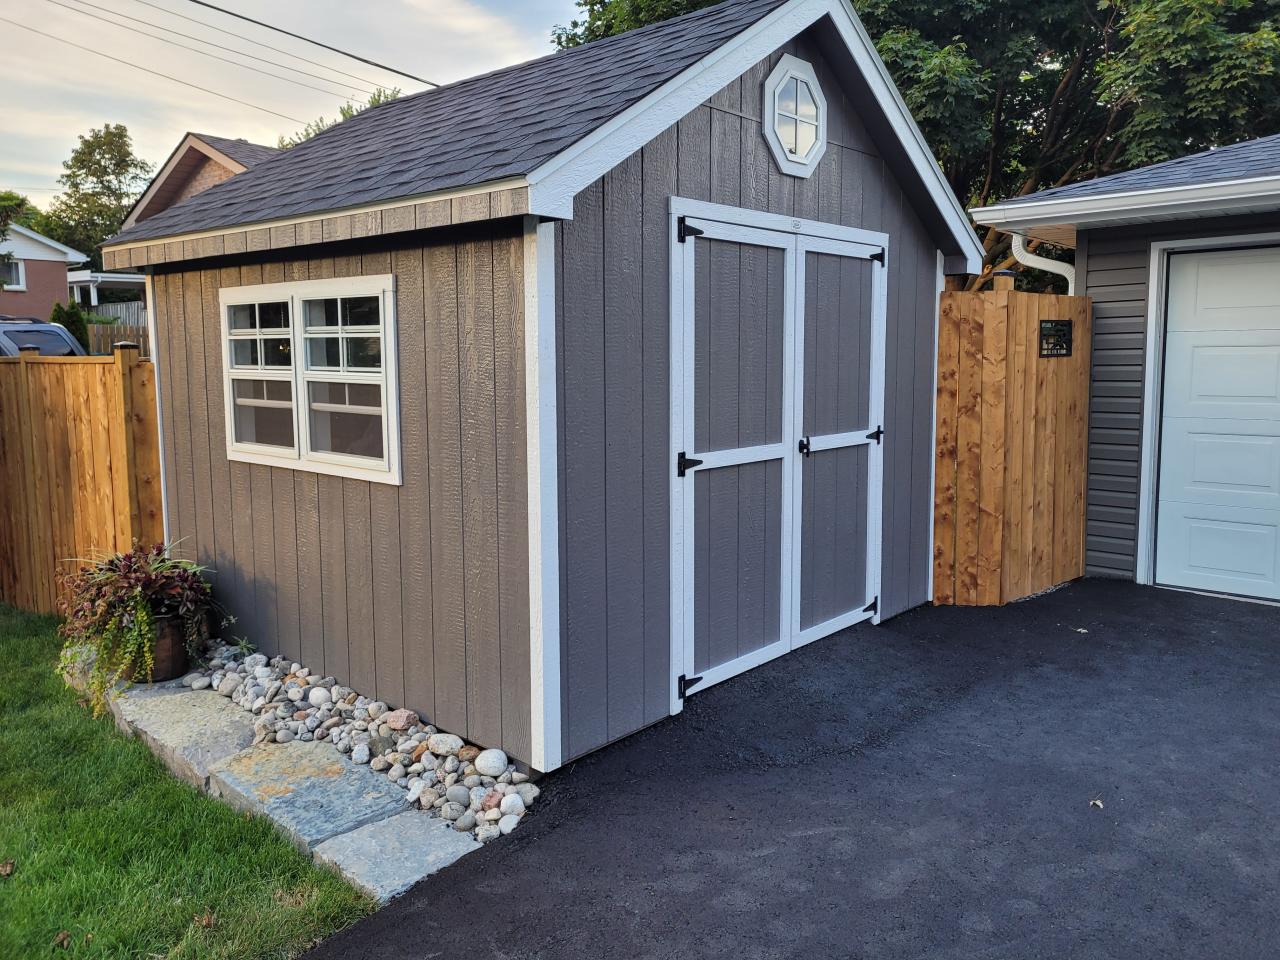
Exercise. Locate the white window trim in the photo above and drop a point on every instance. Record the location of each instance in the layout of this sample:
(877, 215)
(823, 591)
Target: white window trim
(21, 285)
(787, 68)
(301, 456)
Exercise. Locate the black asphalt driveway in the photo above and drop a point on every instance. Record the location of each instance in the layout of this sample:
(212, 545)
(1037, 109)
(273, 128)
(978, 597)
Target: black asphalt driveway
(923, 789)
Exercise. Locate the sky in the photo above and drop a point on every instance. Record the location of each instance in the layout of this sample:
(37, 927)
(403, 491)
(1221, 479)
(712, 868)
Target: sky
(53, 92)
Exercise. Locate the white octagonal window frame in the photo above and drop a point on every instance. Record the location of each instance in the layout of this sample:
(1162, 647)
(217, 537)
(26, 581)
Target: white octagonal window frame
(793, 68)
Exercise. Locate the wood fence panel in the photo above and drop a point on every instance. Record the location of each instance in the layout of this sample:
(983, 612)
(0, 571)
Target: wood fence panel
(103, 337)
(79, 454)
(1011, 447)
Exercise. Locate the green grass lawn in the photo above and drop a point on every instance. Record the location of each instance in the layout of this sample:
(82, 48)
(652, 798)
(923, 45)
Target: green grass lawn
(114, 857)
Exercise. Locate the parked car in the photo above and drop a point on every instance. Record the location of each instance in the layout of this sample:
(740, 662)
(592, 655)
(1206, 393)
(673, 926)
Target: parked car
(52, 339)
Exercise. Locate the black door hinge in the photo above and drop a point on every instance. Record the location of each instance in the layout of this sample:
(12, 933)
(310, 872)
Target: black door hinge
(872, 606)
(684, 231)
(804, 446)
(878, 256)
(685, 684)
(684, 464)
(877, 434)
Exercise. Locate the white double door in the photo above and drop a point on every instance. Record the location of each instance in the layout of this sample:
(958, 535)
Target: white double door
(1218, 519)
(777, 386)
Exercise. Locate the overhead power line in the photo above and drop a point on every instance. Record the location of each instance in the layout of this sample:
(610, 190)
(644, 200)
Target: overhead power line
(203, 53)
(298, 36)
(156, 73)
(219, 46)
(257, 43)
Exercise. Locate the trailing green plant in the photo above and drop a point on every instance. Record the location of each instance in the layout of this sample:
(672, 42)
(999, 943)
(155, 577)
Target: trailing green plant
(111, 607)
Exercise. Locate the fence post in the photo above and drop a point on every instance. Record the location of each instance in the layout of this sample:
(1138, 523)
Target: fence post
(31, 568)
(124, 475)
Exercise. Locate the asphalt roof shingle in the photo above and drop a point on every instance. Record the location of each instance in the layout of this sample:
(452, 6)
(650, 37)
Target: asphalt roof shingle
(241, 151)
(1239, 161)
(497, 125)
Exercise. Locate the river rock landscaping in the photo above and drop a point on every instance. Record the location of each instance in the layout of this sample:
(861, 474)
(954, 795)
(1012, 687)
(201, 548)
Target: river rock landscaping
(477, 791)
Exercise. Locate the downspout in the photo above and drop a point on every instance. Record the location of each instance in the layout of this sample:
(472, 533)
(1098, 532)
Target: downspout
(1029, 259)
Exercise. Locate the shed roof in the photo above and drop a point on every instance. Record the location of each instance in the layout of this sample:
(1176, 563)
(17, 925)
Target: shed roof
(486, 128)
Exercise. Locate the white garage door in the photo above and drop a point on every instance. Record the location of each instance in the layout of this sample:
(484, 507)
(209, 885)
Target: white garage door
(1219, 497)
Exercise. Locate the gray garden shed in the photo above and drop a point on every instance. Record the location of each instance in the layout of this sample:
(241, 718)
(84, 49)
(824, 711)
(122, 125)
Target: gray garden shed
(542, 400)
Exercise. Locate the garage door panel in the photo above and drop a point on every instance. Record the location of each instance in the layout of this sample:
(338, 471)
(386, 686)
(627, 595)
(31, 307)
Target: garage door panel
(1234, 464)
(1223, 374)
(1224, 290)
(1219, 548)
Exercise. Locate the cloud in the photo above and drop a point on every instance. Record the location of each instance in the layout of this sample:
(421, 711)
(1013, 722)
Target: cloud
(54, 92)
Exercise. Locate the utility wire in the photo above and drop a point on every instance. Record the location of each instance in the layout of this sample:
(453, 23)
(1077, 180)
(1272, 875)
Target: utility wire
(298, 36)
(257, 43)
(219, 46)
(157, 73)
(203, 53)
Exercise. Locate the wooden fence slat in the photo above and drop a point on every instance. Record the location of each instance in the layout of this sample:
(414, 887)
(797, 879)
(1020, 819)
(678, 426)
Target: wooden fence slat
(969, 449)
(991, 506)
(944, 541)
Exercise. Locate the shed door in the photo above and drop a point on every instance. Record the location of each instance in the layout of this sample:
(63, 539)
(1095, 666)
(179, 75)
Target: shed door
(1218, 522)
(776, 352)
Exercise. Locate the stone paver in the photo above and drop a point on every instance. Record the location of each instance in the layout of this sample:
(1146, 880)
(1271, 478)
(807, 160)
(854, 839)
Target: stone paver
(189, 730)
(310, 790)
(387, 857)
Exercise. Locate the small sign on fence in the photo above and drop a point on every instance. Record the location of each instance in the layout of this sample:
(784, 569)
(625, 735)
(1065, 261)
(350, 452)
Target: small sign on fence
(1055, 338)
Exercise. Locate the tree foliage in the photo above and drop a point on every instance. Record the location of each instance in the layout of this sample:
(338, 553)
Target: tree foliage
(345, 112)
(101, 180)
(1015, 98)
(71, 316)
(13, 208)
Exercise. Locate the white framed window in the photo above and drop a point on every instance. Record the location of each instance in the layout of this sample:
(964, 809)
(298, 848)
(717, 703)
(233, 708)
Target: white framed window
(13, 275)
(310, 376)
(795, 117)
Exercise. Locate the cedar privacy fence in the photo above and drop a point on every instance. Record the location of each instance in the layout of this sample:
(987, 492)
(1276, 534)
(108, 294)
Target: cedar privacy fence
(1013, 411)
(79, 467)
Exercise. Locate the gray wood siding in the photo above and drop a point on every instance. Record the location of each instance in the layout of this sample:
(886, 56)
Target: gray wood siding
(416, 594)
(1114, 268)
(612, 312)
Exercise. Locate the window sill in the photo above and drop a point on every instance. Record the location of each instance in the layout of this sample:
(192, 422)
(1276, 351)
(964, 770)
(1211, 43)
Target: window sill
(371, 474)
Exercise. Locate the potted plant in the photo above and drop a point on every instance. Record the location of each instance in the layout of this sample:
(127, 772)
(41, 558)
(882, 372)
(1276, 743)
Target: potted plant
(139, 614)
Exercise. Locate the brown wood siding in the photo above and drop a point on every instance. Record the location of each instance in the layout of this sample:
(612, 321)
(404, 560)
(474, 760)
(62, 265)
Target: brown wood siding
(1113, 266)
(416, 594)
(612, 314)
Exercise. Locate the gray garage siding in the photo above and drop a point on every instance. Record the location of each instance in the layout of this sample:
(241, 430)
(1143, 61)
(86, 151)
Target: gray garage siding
(416, 594)
(1115, 274)
(612, 288)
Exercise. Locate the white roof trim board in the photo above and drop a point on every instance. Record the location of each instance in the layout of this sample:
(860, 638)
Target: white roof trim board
(554, 184)
(1056, 219)
(67, 254)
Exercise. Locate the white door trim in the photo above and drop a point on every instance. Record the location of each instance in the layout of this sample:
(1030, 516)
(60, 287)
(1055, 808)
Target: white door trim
(749, 226)
(1153, 379)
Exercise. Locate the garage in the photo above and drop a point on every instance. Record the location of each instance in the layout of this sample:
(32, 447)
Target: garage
(1219, 478)
(1182, 262)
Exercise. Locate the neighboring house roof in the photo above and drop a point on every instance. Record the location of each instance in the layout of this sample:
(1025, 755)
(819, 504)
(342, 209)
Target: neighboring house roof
(241, 151)
(553, 124)
(25, 244)
(1240, 178)
(194, 153)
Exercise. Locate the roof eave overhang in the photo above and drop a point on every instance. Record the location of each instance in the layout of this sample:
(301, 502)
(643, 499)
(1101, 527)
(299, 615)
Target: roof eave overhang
(554, 184)
(1054, 218)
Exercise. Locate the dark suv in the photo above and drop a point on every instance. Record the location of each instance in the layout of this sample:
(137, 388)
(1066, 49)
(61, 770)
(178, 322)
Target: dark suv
(52, 339)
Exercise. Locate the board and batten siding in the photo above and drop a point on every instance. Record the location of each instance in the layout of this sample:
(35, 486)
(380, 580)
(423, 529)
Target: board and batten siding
(612, 316)
(1116, 264)
(416, 594)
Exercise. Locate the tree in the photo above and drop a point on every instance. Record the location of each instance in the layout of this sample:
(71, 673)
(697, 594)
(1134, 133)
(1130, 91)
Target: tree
(13, 206)
(73, 318)
(101, 180)
(345, 112)
(1015, 98)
